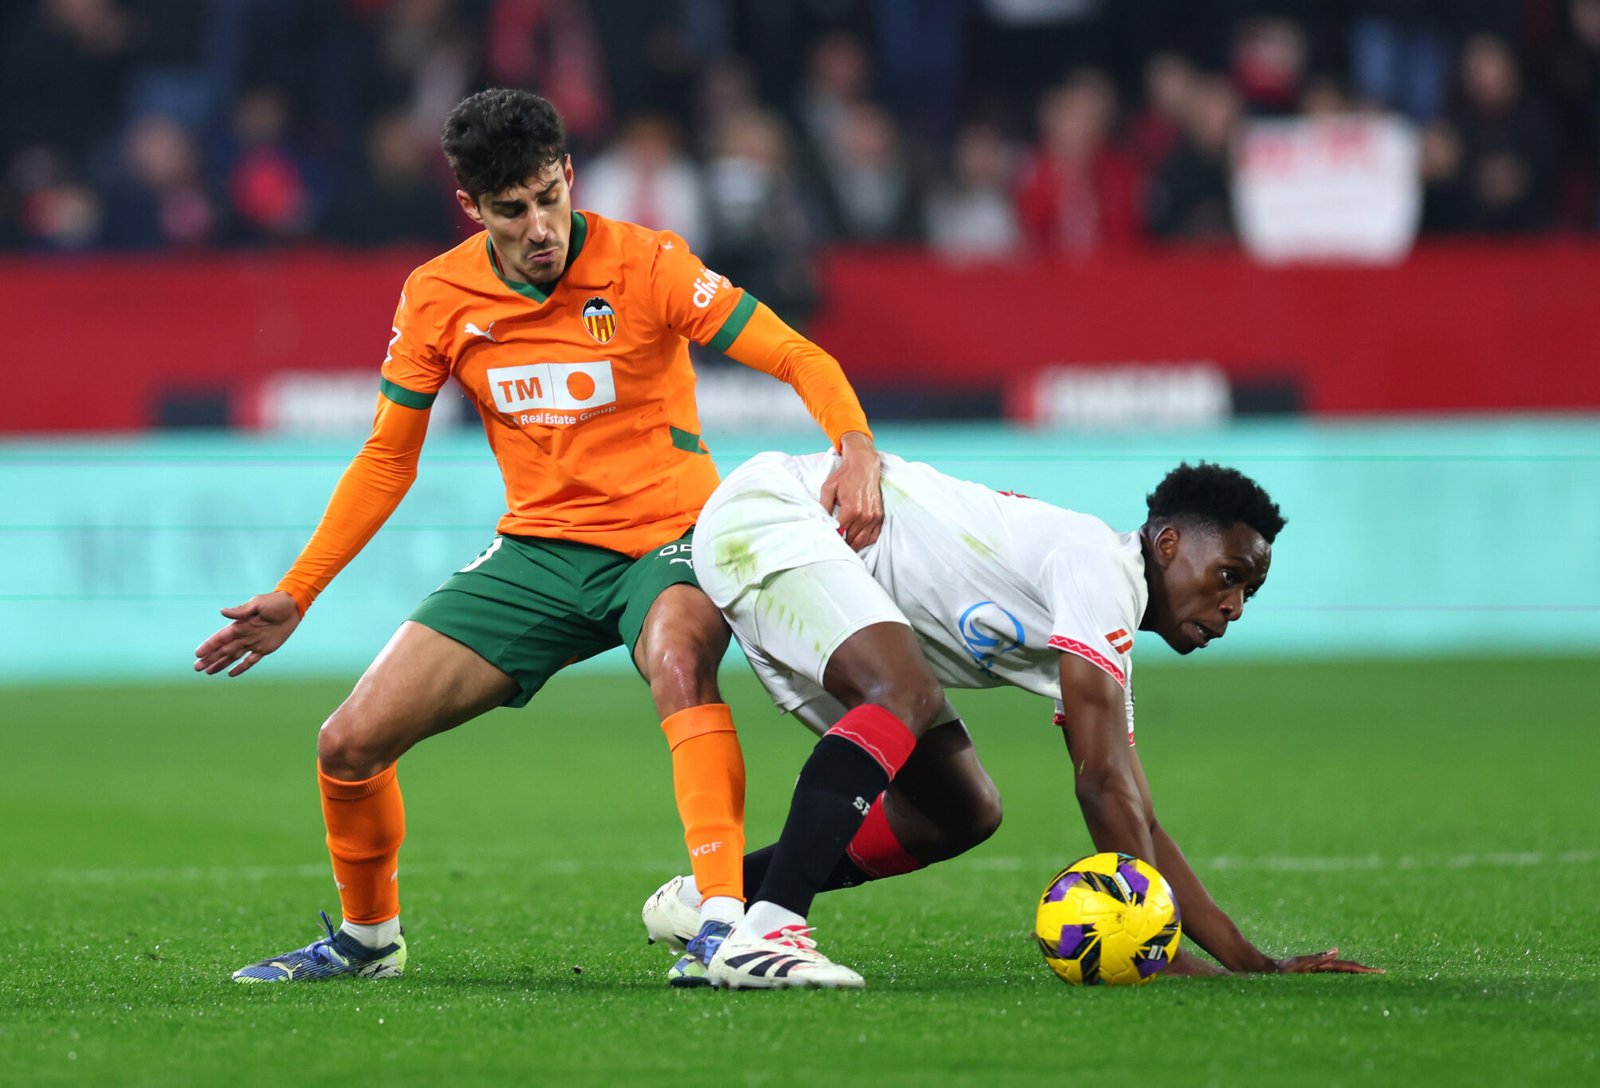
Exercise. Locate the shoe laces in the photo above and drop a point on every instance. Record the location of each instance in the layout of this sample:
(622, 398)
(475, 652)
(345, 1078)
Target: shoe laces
(323, 947)
(795, 937)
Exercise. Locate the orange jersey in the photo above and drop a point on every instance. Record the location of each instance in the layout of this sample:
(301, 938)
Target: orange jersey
(586, 393)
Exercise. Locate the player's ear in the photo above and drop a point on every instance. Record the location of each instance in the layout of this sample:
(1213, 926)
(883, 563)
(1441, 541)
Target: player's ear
(1166, 545)
(469, 206)
(566, 169)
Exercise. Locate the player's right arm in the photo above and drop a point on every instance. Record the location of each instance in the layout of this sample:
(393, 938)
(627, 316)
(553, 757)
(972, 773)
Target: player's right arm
(368, 492)
(1104, 771)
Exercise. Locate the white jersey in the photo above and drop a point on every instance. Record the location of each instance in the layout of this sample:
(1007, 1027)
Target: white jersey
(995, 585)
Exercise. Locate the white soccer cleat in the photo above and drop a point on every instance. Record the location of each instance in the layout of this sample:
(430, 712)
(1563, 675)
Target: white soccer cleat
(785, 958)
(668, 918)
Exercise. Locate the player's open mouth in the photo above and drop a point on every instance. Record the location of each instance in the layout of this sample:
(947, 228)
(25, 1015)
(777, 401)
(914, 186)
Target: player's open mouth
(1206, 634)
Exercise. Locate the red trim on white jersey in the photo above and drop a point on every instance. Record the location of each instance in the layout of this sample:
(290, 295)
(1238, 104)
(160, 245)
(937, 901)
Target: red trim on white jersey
(1089, 654)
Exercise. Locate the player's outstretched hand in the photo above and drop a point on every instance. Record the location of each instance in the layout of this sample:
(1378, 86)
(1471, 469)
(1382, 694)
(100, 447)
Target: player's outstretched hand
(853, 491)
(260, 625)
(1324, 963)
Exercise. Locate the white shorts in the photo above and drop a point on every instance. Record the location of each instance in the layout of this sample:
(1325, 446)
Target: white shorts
(769, 555)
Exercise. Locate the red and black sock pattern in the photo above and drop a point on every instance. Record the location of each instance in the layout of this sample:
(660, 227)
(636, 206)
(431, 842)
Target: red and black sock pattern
(850, 766)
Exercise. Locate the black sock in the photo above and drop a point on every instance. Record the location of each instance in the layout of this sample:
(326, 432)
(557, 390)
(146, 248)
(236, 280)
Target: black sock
(837, 786)
(846, 874)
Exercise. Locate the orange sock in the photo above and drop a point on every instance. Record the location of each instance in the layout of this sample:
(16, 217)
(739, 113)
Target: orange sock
(708, 778)
(366, 823)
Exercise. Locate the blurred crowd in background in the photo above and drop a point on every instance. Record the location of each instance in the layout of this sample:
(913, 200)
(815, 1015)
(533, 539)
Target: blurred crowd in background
(761, 128)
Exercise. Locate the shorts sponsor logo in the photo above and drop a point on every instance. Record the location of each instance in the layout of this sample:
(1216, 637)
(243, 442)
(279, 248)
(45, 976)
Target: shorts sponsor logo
(600, 319)
(553, 393)
(987, 630)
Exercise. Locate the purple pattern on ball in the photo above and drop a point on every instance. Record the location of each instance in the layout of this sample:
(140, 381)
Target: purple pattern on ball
(1136, 880)
(1148, 967)
(1058, 890)
(1071, 938)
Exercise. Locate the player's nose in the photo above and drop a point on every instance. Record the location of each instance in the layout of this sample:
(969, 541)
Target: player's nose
(1233, 607)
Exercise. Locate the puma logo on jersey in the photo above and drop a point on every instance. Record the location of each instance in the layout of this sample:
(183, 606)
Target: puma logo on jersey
(487, 334)
(706, 288)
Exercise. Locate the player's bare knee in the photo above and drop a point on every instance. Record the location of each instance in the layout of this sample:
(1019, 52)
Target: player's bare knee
(985, 816)
(682, 673)
(917, 701)
(348, 752)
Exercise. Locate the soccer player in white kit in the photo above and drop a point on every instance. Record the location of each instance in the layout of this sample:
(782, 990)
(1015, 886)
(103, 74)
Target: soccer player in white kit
(965, 587)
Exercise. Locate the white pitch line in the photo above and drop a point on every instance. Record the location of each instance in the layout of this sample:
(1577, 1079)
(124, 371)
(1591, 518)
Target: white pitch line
(223, 873)
(656, 866)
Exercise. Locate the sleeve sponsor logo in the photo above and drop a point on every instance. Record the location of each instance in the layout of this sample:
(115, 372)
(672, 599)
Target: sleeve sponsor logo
(557, 393)
(707, 286)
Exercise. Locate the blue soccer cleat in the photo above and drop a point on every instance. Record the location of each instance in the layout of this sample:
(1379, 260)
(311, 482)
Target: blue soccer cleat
(329, 957)
(692, 967)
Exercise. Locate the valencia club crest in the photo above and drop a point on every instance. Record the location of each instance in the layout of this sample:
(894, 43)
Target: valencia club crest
(600, 319)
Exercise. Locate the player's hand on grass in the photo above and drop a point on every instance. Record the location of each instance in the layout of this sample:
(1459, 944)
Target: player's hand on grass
(1323, 963)
(852, 491)
(260, 625)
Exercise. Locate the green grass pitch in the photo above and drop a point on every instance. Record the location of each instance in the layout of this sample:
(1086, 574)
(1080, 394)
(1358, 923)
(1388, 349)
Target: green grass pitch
(1434, 818)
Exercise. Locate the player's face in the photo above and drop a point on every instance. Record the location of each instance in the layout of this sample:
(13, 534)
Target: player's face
(1206, 576)
(530, 224)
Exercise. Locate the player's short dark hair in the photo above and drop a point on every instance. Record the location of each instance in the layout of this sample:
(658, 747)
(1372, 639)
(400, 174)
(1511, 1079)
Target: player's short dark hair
(1217, 496)
(501, 137)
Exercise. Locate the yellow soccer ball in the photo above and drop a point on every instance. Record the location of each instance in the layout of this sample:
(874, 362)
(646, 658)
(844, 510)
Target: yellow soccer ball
(1108, 919)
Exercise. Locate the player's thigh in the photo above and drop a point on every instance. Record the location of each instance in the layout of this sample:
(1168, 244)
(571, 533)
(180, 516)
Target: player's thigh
(673, 631)
(529, 607)
(800, 616)
(882, 663)
(421, 683)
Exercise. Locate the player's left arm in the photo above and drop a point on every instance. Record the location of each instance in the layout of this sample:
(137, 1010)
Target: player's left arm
(710, 310)
(1208, 926)
(768, 344)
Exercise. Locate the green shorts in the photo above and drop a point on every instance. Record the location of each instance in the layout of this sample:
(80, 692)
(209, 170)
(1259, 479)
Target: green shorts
(531, 607)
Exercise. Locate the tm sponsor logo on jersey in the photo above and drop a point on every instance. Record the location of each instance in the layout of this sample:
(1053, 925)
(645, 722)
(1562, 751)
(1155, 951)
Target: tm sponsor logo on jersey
(706, 287)
(556, 393)
(987, 630)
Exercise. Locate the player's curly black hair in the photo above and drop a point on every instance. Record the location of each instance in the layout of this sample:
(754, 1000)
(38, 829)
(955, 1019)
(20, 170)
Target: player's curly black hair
(499, 138)
(1217, 496)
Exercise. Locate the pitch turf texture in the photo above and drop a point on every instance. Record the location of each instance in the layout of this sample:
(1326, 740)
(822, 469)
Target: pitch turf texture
(1436, 818)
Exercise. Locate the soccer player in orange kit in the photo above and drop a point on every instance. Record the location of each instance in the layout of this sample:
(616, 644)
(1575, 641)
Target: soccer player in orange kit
(569, 331)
